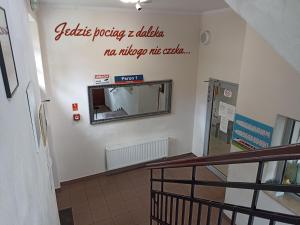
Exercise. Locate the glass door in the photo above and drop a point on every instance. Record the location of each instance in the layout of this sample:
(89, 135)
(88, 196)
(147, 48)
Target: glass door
(222, 97)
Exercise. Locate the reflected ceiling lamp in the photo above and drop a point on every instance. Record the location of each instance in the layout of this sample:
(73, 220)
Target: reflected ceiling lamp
(138, 3)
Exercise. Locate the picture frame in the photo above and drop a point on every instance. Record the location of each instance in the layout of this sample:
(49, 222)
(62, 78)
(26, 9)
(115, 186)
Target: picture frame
(43, 124)
(34, 114)
(7, 62)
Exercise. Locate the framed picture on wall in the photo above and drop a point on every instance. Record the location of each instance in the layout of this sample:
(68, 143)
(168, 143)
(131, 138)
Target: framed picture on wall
(34, 114)
(7, 62)
(43, 123)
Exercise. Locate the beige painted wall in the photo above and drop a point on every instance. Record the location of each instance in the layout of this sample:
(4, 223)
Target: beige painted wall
(268, 86)
(73, 62)
(220, 59)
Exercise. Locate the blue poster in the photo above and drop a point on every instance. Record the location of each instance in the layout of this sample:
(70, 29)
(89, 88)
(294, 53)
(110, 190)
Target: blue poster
(129, 79)
(251, 134)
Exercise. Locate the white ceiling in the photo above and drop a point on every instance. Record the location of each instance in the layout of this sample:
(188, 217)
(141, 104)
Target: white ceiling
(180, 6)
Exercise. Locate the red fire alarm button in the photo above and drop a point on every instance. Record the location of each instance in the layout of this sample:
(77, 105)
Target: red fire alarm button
(75, 106)
(76, 117)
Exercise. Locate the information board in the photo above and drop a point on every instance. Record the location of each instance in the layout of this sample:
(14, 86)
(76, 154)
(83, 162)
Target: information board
(251, 134)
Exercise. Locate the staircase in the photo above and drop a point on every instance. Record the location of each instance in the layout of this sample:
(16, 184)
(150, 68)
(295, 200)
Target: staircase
(171, 208)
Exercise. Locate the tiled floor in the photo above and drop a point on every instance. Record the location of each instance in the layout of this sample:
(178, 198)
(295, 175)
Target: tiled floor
(124, 199)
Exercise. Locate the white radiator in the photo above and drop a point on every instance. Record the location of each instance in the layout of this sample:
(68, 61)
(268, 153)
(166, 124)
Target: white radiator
(118, 156)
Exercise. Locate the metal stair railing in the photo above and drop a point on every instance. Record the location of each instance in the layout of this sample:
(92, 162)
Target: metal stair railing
(168, 208)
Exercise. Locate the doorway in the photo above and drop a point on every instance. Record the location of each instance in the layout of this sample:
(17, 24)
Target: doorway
(221, 103)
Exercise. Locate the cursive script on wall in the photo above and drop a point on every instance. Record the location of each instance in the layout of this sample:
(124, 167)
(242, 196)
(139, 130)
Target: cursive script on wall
(63, 30)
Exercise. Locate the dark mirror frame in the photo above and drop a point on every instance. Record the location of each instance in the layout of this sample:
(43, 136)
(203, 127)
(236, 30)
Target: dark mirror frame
(90, 99)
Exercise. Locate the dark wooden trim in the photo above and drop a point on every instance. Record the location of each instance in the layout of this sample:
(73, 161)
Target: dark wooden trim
(122, 170)
(288, 152)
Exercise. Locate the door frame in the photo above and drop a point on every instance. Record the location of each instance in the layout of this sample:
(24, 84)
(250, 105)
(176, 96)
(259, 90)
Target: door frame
(210, 96)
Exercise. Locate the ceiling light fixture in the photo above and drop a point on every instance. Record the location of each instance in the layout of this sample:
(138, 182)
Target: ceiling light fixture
(130, 1)
(138, 3)
(138, 6)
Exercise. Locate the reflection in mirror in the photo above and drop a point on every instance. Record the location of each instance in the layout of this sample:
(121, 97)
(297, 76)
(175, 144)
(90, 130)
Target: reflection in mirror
(115, 102)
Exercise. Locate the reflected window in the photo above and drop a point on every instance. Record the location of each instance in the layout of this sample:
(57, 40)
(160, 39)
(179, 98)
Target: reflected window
(287, 131)
(291, 169)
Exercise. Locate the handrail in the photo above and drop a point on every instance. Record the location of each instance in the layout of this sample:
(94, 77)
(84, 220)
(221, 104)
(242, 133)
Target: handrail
(164, 203)
(280, 217)
(281, 153)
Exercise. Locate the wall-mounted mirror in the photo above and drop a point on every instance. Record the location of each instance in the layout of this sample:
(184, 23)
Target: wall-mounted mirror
(124, 101)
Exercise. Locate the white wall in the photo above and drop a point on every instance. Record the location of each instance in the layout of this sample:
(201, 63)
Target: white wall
(149, 96)
(268, 86)
(220, 59)
(26, 191)
(72, 64)
(125, 98)
(277, 21)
